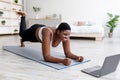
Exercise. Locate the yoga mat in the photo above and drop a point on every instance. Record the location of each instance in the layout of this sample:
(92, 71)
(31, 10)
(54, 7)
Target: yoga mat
(36, 55)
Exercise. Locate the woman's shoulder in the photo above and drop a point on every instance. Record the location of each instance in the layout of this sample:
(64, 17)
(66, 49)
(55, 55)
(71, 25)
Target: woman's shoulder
(49, 29)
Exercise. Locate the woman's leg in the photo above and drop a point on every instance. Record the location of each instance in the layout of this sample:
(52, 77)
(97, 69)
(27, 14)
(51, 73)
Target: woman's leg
(22, 29)
(22, 25)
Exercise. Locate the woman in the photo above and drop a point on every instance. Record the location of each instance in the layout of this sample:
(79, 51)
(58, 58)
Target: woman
(48, 36)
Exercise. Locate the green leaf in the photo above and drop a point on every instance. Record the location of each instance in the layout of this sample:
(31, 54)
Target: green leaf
(109, 14)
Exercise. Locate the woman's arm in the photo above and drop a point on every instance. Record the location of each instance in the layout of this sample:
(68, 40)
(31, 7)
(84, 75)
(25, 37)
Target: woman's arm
(47, 35)
(68, 53)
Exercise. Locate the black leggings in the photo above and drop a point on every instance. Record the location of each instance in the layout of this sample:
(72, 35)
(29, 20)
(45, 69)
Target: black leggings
(28, 34)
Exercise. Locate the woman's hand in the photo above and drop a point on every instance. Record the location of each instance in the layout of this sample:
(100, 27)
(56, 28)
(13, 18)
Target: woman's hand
(80, 58)
(67, 61)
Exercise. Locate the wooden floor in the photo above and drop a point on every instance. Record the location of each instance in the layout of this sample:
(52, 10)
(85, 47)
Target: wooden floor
(13, 67)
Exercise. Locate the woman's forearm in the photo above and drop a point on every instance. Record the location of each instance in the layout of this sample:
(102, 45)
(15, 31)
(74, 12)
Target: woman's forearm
(52, 59)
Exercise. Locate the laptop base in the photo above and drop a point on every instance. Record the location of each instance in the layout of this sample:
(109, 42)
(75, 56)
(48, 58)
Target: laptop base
(94, 71)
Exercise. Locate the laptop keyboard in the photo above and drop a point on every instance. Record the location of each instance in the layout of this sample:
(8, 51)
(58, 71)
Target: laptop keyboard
(96, 72)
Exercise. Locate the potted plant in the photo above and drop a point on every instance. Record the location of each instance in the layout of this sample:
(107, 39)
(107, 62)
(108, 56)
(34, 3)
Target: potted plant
(112, 23)
(1, 13)
(16, 1)
(36, 10)
(3, 22)
(15, 30)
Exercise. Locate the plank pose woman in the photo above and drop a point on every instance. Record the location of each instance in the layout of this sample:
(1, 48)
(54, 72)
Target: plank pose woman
(48, 36)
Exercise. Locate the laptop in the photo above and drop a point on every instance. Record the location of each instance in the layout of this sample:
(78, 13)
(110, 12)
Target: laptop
(110, 65)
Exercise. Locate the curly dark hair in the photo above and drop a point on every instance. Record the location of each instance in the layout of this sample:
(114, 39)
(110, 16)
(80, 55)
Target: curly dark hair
(63, 26)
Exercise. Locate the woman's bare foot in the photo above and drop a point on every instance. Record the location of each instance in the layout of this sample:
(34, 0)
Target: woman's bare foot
(21, 13)
(67, 61)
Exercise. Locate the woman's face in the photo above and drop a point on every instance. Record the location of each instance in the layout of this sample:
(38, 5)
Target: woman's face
(64, 35)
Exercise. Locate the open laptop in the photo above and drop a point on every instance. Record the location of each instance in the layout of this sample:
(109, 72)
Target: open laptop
(110, 65)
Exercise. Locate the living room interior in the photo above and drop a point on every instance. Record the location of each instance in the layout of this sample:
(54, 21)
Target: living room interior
(90, 28)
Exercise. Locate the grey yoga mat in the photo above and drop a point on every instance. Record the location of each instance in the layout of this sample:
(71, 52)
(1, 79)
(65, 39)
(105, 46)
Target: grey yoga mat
(36, 55)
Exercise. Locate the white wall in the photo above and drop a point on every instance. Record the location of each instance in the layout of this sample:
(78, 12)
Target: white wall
(77, 10)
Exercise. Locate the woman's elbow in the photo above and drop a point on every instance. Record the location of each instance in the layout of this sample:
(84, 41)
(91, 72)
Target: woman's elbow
(46, 58)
